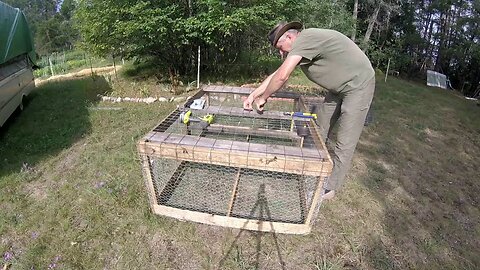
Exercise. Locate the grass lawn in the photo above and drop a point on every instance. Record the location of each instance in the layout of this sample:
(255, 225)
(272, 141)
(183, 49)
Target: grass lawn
(72, 193)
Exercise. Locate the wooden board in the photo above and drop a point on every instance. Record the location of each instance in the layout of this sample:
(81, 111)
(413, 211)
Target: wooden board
(238, 154)
(234, 192)
(232, 222)
(233, 111)
(317, 198)
(239, 130)
(246, 91)
(147, 174)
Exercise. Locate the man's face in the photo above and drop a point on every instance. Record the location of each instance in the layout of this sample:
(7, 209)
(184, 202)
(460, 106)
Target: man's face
(284, 44)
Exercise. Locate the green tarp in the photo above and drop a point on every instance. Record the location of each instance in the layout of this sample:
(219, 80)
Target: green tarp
(15, 36)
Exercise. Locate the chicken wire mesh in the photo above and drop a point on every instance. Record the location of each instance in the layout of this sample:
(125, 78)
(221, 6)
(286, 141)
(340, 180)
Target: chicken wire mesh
(241, 128)
(241, 165)
(231, 191)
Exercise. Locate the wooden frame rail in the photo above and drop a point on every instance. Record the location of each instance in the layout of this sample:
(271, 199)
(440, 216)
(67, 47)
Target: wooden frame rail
(287, 159)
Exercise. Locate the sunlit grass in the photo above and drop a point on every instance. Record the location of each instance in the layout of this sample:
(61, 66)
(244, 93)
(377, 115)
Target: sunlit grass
(72, 192)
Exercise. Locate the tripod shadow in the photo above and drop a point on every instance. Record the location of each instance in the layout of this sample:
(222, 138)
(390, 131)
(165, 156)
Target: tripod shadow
(264, 215)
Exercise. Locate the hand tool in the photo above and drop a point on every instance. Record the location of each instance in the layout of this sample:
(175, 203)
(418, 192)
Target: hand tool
(301, 115)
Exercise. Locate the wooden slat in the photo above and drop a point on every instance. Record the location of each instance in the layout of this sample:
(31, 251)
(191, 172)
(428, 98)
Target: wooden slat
(247, 91)
(317, 137)
(232, 222)
(317, 198)
(215, 144)
(234, 192)
(232, 111)
(172, 183)
(242, 160)
(147, 174)
(281, 134)
(315, 205)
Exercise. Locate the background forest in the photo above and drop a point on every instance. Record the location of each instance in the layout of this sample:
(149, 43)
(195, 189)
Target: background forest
(416, 35)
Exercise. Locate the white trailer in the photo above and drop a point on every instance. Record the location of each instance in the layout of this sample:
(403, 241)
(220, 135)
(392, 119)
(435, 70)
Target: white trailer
(17, 56)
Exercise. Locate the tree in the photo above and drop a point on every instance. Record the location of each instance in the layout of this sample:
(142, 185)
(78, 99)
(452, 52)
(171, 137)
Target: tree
(171, 31)
(67, 9)
(355, 15)
(325, 14)
(380, 14)
(425, 34)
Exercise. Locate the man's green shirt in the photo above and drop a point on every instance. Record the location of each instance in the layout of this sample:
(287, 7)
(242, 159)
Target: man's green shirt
(332, 60)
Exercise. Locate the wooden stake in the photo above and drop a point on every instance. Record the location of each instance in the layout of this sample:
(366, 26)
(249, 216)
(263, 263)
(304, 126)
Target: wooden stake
(388, 67)
(114, 66)
(51, 65)
(198, 69)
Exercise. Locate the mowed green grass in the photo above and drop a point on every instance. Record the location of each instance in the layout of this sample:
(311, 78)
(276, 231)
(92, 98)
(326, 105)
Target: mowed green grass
(72, 193)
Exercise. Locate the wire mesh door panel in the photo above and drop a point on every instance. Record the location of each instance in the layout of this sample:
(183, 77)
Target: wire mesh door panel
(231, 191)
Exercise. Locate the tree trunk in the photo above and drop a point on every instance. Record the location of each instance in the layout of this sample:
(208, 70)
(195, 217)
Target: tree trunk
(373, 20)
(427, 25)
(355, 15)
(441, 44)
(190, 8)
(428, 49)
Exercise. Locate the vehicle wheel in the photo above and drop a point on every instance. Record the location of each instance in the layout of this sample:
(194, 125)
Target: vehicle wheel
(20, 106)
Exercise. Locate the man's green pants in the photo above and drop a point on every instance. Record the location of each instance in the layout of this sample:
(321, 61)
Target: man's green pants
(346, 111)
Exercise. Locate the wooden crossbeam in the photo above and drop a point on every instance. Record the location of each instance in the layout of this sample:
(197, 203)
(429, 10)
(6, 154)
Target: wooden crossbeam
(232, 111)
(232, 222)
(246, 91)
(239, 130)
(240, 154)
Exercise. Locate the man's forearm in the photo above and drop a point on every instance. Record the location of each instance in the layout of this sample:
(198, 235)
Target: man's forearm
(274, 84)
(275, 81)
(280, 77)
(261, 89)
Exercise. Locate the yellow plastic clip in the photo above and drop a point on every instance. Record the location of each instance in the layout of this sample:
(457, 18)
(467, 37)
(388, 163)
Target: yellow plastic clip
(208, 118)
(186, 117)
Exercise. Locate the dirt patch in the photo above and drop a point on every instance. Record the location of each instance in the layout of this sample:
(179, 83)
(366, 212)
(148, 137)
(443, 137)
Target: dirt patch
(43, 182)
(37, 190)
(82, 73)
(175, 253)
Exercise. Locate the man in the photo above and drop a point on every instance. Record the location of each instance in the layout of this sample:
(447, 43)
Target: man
(337, 64)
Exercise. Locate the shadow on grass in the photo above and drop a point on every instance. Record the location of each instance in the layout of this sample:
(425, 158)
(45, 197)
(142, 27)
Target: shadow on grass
(260, 206)
(55, 117)
(423, 170)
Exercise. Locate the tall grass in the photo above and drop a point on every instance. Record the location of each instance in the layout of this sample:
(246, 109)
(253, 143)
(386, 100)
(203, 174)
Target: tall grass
(68, 61)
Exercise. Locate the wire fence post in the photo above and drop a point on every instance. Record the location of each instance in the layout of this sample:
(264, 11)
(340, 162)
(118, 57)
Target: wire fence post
(388, 67)
(91, 66)
(198, 69)
(51, 65)
(114, 66)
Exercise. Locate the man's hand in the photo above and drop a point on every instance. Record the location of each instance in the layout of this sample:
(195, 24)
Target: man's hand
(248, 102)
(260, 101)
